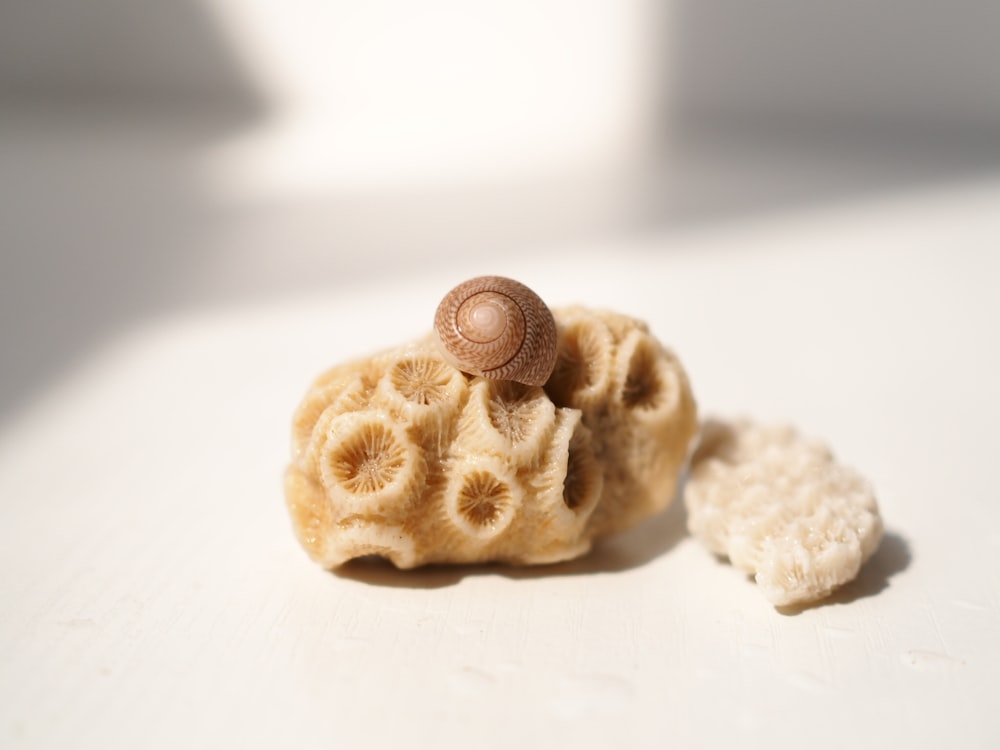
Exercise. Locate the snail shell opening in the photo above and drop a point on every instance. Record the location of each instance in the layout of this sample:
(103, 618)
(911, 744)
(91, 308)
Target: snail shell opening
(497, 328)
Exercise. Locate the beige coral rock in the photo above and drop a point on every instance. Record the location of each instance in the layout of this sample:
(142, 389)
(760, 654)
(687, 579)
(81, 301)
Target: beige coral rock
(402, 456)
(780, 507)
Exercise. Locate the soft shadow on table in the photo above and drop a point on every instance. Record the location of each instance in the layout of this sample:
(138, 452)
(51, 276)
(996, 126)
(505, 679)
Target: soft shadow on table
(893, 557)
(623, 552)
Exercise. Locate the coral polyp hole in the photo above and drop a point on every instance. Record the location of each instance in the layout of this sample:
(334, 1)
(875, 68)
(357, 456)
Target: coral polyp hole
(484, 500)
(367, 460)
(583, 482)
(421, 380)
(574, 486)
(644, 386)
(582, 351)
(514, 411)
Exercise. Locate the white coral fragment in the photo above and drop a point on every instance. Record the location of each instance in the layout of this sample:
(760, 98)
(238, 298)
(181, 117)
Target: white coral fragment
(402, 456)
(781, 508)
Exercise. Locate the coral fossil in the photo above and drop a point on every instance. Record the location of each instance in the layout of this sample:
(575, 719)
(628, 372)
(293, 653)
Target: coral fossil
(780, 507)
(405, 457)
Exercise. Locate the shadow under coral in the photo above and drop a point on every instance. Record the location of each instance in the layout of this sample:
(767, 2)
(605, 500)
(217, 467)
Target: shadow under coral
(629, 550)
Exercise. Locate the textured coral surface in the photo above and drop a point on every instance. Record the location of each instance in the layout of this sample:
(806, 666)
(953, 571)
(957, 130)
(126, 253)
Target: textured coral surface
(781, 508)
(405, 457)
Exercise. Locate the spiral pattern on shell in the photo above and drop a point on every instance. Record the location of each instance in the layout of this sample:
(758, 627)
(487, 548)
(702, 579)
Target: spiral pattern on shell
(497, 328)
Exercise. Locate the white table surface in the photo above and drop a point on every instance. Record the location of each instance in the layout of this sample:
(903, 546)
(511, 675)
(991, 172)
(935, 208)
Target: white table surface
(152, 594)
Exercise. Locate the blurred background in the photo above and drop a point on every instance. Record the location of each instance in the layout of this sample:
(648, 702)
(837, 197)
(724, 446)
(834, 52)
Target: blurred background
(157, 156)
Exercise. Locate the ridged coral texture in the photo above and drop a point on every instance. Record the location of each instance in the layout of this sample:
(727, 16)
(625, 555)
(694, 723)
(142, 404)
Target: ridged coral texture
(403, 456)
(781, 508)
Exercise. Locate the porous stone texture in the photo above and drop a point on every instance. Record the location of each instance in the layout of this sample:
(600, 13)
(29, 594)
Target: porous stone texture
(781, 508)
(403, 456)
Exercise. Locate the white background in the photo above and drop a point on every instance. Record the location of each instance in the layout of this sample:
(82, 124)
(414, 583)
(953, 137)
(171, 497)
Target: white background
(813, 227)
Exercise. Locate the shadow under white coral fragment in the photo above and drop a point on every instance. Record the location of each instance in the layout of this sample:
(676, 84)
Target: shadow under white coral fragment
(781, 508)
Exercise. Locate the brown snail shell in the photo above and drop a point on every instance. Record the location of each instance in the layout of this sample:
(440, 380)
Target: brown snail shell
(497, 328)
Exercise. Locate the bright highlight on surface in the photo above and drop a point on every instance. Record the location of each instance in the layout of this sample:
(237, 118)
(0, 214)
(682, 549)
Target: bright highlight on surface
(398, 94)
